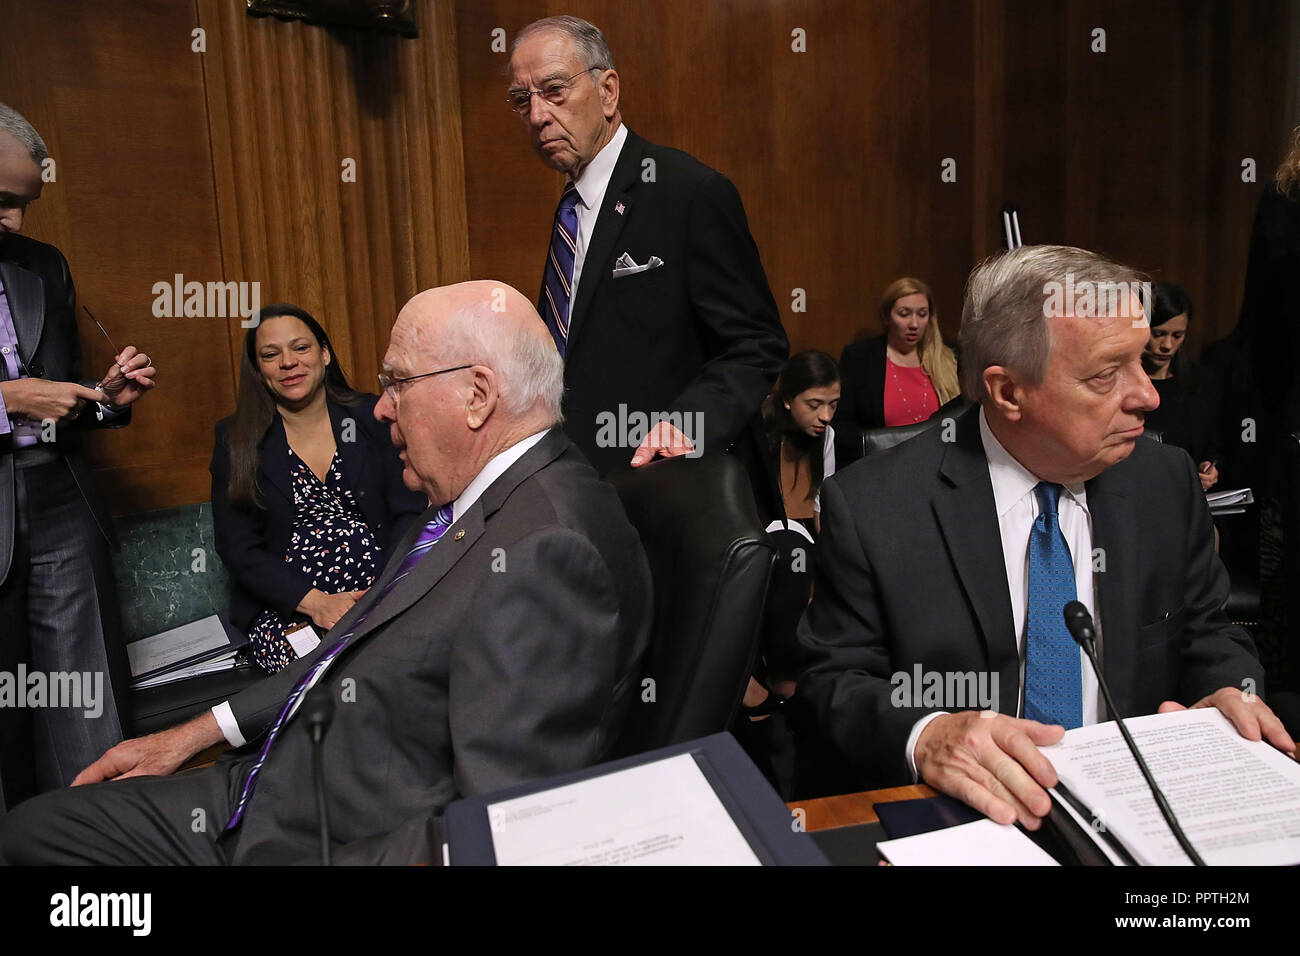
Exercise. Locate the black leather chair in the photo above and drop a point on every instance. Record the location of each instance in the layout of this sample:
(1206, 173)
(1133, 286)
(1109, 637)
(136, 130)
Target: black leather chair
(710, 561)
(876, 440)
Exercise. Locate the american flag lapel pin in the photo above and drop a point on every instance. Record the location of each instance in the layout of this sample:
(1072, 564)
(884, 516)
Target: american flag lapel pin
(619, 207)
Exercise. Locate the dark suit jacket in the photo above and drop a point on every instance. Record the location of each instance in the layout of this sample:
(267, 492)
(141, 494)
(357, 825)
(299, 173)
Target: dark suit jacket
(862, 386)
(509, 653)
(43, 304)
(911, 573)
(252, 543)
(701, 333)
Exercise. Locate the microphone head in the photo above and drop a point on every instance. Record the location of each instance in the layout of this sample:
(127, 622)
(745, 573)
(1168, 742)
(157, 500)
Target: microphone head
(1078, 622)
(318, 707)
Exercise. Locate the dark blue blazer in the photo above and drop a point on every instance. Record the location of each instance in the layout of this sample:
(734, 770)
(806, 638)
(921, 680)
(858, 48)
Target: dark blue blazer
(252, 541)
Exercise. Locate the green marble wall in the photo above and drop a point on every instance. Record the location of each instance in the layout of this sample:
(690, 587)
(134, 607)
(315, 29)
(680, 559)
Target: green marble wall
(162, 580)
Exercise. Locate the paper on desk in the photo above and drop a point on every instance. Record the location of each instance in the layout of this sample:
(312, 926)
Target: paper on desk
(982, 843)
(1238, 800)
(204, 637)
(226, 662)
(663, 813)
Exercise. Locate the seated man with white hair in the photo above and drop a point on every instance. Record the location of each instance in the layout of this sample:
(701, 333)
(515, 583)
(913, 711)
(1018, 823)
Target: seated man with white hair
(500, 644)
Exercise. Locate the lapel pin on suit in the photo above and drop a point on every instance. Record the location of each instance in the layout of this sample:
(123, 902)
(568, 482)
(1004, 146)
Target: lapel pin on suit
(619, 207)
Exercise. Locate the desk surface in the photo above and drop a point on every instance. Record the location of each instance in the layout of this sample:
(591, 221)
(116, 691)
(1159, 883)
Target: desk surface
(848, 809)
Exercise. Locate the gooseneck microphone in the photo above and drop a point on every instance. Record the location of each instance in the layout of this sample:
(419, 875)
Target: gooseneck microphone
(1079, 623)
(317, 711)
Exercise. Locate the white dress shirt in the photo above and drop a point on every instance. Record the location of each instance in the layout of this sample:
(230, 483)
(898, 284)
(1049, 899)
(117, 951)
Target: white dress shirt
(489, 473)
(592, 184)
(1017, 506)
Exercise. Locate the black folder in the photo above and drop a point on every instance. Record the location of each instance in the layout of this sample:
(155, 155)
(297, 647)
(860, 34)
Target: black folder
(760, 816)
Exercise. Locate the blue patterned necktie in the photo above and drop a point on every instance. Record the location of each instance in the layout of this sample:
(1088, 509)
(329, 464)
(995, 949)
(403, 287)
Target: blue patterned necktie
(1053, 682)
(427, 538)
(557, 283)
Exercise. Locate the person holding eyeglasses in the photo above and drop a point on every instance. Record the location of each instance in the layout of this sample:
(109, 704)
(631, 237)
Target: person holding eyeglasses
(652, 287)
(307, 492)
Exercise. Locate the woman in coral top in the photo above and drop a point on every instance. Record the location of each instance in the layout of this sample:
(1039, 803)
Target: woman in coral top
(903, 376)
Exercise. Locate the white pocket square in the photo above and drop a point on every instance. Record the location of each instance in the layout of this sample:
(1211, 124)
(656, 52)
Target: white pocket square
(625, 265)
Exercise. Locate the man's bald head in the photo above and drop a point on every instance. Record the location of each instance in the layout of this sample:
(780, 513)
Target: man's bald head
(487, 322)
(484, 374)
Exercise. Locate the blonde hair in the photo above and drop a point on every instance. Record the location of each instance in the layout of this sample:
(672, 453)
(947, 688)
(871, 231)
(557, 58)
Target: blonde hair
(1288, 173)
(936, 359)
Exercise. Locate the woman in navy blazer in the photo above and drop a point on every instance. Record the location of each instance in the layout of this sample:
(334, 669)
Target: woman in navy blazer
(307, 491)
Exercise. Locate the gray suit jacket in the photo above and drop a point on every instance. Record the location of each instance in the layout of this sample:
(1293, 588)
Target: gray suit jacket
(910, 573)
(43, 304)
(509, 653)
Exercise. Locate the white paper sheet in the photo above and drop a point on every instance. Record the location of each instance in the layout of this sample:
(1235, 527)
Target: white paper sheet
(180, 643)
(659, 814)
(982, 843)
(1238, 801)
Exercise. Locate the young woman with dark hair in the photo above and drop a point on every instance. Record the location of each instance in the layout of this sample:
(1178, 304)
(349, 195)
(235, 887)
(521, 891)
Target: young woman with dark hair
(307, 491)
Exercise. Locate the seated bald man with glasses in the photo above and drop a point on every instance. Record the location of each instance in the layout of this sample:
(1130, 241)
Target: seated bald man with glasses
(499, 644)
(652, 286)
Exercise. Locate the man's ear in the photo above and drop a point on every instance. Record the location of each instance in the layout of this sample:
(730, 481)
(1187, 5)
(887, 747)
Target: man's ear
(608, 87)
(1004, 392)
(483, 397)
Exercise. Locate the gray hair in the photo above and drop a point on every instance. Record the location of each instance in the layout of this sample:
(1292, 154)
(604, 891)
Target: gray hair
(592, 48)
(530, 372)
(12, 122)
(1010, 296)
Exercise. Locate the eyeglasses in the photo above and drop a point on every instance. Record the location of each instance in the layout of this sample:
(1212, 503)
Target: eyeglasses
(555, 93)
(390, 384)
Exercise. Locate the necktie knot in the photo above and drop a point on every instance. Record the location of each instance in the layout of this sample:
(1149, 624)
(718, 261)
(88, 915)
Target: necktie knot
(1048, 494)
(570, 198)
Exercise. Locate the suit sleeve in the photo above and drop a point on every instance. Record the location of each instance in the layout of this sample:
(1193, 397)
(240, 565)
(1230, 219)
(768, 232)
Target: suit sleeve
(1215, 653)
(531, 682)
(737, 316)
(846, 674)
(241, 543)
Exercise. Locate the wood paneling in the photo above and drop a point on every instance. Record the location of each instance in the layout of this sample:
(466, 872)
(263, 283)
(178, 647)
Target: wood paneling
(837, 151)
(226, 165)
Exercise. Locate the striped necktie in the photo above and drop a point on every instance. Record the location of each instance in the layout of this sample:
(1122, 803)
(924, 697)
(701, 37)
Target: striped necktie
(427, 538)
(557, 283)
(1053, 678)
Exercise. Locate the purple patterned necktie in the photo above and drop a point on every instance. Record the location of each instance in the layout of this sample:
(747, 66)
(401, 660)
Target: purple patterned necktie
(427, 539)
(557, 283)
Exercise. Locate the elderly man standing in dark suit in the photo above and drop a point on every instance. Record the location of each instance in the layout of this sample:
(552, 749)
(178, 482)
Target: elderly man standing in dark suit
(58, 608)
(500, 643)
(955, 553)
(652, 289)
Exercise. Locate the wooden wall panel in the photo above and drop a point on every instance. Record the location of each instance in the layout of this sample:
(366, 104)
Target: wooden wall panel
(837, 151)
(118, 97)
(225, 165)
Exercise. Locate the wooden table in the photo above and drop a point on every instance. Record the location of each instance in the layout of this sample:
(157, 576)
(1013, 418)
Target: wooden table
(848, 809)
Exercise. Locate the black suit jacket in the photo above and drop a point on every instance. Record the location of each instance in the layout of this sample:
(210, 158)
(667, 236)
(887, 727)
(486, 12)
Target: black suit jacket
(701, 333)
(911, 572)
(509, 653)
(252, 543)
(862, 386)
(43, 304)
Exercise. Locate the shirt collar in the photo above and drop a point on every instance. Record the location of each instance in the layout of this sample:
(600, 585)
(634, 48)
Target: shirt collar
(594, 180)
(1011, 480)
(490, 472)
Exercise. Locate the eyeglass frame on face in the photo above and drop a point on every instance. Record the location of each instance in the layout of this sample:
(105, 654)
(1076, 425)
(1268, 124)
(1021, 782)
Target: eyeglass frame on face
(558, 88)
(391, 385)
